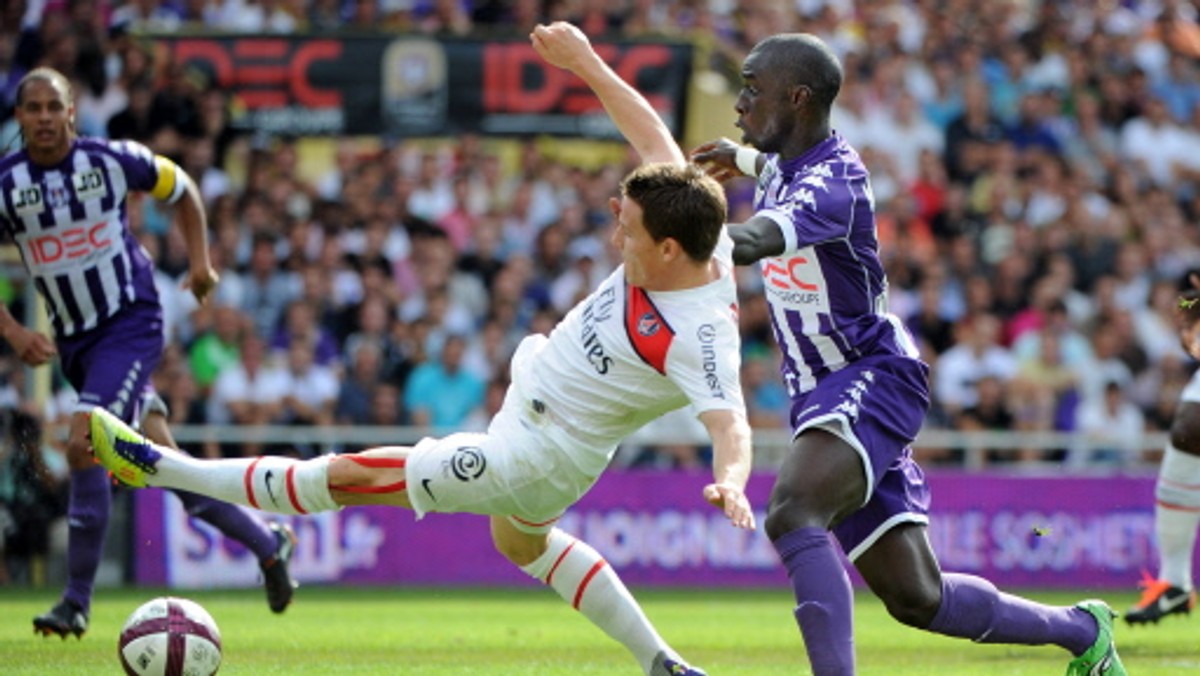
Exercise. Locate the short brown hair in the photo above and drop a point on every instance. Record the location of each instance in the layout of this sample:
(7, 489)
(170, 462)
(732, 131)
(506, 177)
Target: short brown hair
(680, 202)
(46, 74)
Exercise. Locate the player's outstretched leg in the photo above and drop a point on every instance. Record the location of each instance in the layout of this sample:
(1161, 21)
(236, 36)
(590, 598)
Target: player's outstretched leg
(585, 580)
(270, 483)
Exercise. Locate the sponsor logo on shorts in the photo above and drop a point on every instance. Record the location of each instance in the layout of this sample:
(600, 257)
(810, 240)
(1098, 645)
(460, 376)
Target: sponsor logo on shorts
(468, 462)
(425, 484)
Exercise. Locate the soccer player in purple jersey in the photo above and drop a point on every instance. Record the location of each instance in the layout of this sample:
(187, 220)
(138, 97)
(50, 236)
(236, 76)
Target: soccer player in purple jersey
(859, 392)
(63, 201)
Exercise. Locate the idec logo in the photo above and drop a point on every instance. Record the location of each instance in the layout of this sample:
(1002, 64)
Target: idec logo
(796, 281)
(517, 80)
(788, 274)
(69, 244)
(263, 72)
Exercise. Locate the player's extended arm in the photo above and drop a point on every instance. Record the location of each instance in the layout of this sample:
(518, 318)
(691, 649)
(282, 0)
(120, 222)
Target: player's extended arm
(732, 457)
(32, 347)
(202, 278)
(565, 46)
(176, 187)
(755, 239)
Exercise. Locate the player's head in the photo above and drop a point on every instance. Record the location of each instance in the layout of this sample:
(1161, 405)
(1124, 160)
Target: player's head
(668, 215)
(789, 81)
(45, 112)
(1187, 315)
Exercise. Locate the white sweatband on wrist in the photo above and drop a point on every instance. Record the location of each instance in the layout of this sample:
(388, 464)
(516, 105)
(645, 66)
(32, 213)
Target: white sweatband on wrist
(747, 160)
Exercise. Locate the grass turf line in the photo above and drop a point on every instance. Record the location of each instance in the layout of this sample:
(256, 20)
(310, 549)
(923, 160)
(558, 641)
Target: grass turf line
(436, 632)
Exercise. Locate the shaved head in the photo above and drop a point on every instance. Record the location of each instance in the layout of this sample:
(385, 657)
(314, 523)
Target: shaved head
(803, 59)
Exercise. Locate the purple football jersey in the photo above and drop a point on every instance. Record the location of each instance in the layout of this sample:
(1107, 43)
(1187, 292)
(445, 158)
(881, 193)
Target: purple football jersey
(69, 222)
(827, 290)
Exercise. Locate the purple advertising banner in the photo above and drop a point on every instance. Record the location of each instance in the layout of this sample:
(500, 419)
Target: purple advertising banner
(656, 530)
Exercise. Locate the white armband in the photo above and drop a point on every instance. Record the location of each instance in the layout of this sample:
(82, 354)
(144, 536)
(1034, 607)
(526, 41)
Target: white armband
(747, 160)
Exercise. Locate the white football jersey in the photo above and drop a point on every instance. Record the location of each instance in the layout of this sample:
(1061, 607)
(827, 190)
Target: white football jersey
(624, 356)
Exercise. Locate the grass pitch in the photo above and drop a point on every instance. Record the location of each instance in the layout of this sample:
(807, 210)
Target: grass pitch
(356, 630)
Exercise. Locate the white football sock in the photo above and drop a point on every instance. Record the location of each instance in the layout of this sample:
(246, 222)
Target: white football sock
(1177, 515)
(270, 483)
(585, 580)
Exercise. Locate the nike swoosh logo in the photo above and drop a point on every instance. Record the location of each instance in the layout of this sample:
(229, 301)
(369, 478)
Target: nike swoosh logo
(1166, 605)
(425, 485)
(267, 480)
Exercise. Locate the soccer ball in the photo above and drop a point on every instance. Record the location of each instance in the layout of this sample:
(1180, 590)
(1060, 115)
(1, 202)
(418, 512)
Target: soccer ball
(170, 636)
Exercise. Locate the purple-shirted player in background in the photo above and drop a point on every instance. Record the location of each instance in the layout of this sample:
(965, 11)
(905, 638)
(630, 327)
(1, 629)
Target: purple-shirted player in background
(63, 201)
(859, 391)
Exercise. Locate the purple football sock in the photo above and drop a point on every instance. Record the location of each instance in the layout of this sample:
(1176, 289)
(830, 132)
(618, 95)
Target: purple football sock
(87, 524)
(825, 602)
(973, 608)
(233, 521)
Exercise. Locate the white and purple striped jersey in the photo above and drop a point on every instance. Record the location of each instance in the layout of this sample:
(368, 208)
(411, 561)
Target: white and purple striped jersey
(69, 222)
(827, 290)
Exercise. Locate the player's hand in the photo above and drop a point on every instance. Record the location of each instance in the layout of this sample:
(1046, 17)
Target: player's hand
(33, 348)
(731, 500)
(561, 44)
(718, 159)
(201, 282)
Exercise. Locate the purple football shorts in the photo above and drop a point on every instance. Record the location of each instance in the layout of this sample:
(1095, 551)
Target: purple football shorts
(111, 365)
(876, 405)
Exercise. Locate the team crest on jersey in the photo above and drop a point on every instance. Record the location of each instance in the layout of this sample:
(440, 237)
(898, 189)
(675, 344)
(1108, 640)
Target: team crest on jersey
(643, 322)
(88, 184)
(26, 200)
(57, 196)
(648, 325)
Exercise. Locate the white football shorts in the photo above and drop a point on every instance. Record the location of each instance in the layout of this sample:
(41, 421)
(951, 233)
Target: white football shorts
(522, 468)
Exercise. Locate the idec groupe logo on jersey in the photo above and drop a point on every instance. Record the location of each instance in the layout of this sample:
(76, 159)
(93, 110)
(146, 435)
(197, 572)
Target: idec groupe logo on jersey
(70, 244)
(796, 281)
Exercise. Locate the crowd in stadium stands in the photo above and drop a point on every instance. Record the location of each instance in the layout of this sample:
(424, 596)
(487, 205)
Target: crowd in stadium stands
(1036, 168)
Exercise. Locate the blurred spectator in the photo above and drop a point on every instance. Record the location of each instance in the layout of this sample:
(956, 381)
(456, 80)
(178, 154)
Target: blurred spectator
(440, 393)
(217, 348)
(310, 392)
(1111, 430)
(357, 388)
(977, 354)
(300, 325)
(990, 413)
(33, 493)
(1045, 392)
(267, 288)
(248, 393)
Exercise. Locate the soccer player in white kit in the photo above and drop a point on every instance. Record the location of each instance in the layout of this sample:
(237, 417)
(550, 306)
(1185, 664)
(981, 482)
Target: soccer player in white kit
(659, 333)
(1177, 491)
